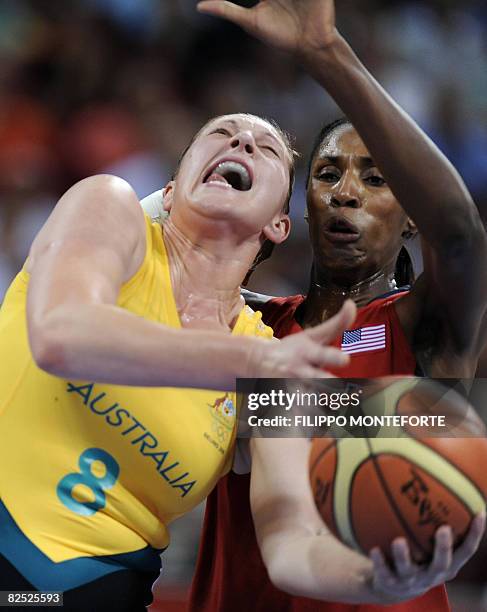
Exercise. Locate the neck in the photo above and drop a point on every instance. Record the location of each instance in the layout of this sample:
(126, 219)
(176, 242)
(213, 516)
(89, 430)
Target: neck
(326, 297)
(206, 277)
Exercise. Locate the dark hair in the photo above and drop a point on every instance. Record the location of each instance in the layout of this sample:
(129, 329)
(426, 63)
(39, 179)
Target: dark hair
(323, 133)
(404, 272)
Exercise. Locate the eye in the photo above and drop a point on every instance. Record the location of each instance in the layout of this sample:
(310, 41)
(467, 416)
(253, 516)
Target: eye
(271, 149)
(221, 130)
(375, 180)
(329, 174)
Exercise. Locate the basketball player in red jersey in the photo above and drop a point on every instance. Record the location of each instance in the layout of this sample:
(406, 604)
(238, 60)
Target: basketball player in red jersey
(357, 229)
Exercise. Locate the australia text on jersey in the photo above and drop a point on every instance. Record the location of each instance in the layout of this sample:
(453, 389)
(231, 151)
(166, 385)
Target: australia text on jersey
(148, 445)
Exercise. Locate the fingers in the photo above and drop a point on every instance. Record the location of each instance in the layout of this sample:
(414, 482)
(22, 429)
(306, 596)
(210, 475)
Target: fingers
(474, 535)
(405, 569)
(225, 10)
(318, 359)
(410, 579)
(407, 580)
(327, 357)
(331, 329)
(442, 556)
(470, 544)
(383, 576)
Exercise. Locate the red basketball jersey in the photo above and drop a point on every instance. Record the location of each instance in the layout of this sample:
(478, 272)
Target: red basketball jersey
(230, 574)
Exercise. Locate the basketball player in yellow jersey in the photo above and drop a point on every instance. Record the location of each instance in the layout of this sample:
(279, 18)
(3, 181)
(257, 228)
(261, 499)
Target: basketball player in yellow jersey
(119, 349)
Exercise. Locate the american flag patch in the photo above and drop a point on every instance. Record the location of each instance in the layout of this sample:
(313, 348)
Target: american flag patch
(368, 338)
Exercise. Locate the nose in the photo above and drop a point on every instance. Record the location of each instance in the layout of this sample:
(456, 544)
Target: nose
(243, 141)
(347, 192)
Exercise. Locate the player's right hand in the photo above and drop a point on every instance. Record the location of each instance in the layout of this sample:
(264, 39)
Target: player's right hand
(410, 580)
(307, 354)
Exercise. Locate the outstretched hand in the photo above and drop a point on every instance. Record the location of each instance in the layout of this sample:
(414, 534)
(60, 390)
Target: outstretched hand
(290, 25)
(306, 354)
(410, 580)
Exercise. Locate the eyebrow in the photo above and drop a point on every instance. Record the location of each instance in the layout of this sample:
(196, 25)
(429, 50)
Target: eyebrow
(232, 121)
(364, 159)
(265, 133)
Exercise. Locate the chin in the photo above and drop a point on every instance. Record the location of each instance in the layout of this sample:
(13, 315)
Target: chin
(224, 217)
(345, 260)
(216, 208)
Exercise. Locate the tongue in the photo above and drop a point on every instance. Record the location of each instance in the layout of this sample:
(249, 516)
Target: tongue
(216, 177)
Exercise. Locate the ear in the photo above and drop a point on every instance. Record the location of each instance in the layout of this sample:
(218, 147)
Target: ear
(278, 229)
(410, 230)
(167, 195)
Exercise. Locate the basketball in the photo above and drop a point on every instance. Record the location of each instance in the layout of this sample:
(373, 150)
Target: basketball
(403, 482)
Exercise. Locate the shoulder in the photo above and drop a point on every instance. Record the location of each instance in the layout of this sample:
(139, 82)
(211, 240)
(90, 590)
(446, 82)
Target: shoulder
(99, 210)
(97, 219)
(104, 191)
(101, 203)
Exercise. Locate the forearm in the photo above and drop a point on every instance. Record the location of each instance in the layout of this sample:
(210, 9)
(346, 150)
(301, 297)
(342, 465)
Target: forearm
(422, 179)
(320, 567)
(105, 343)
(302, 557)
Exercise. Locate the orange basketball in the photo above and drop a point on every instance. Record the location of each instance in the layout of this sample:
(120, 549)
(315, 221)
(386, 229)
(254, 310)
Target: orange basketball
(372, 490)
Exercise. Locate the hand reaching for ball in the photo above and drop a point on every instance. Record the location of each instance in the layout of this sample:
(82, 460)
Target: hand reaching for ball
(408, 579)
(415, 503)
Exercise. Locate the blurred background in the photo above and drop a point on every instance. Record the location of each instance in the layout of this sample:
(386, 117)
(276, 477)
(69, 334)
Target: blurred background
(120, 86)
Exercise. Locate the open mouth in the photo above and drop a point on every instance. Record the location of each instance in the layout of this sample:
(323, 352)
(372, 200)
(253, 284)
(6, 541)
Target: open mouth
(232, 173)
(339, 229)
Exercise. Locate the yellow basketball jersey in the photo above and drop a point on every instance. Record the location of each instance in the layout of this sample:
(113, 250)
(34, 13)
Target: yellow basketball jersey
(91, 474)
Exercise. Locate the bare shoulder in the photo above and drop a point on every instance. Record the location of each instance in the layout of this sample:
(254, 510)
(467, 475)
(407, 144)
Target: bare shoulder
(99, 210)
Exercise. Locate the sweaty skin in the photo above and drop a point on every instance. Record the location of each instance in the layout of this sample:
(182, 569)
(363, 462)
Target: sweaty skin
(94, 241)
(205, 278)
(433, 195)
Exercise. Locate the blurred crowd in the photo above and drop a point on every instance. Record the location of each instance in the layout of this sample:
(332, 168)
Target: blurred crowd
(120, 86)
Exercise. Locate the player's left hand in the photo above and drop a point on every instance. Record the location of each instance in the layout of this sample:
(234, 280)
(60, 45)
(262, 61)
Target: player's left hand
(296, 26)
(410, 580)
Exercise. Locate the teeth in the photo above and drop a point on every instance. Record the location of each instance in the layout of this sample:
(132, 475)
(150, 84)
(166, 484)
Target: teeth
(229, 168)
